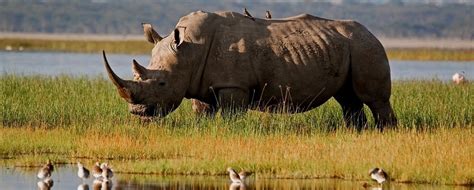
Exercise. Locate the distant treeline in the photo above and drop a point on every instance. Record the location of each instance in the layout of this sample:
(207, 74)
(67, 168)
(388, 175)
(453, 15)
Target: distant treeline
(124, 17)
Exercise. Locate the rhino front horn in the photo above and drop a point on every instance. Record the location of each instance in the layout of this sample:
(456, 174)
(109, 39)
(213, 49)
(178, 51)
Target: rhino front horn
(122, 85)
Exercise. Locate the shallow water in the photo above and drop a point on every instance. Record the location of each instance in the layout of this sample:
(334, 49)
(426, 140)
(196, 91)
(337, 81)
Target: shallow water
(65, 178)
(78, 64)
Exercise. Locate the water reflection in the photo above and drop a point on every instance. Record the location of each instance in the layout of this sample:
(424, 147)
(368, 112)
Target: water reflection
(83, 187)
(236, 186)
(45, 184)
(101, 184)
(65, 178)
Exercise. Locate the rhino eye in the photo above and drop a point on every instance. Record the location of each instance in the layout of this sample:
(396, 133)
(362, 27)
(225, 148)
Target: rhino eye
(161, 83)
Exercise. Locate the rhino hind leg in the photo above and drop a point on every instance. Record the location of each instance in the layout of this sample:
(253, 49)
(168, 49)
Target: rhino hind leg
(383, 114)
(352, 107)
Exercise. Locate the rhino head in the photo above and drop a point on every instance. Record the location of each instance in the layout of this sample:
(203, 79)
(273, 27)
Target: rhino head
(158, 89)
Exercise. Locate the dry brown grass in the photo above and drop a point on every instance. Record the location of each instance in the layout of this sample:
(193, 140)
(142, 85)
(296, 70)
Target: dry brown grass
(443, 156)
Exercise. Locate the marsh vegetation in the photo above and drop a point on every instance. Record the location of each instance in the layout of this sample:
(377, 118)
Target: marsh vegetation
(65, 119)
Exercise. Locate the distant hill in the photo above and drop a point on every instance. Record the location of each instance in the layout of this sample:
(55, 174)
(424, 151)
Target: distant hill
(392, 19)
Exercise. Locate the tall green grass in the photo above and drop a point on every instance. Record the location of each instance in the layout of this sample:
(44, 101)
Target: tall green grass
(64, 101)
(66, 119)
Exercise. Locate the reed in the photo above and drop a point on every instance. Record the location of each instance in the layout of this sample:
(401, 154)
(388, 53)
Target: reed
(68, 119)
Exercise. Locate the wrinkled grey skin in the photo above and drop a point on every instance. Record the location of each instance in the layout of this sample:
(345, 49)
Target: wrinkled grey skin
(290, 65)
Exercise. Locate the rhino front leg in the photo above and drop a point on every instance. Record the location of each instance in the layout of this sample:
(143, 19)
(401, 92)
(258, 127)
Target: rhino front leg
(232, 101)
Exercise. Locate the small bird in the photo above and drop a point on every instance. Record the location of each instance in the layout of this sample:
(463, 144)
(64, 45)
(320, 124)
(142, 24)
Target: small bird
(82, 172)
(268, 15)
(244, 174)
(106, 171)
(96, 170)
(247, 14)
(458, 78)
(45, 171)
(45, 184)
(238, 178)
(199, 107)
(379, 175)
(234, 177)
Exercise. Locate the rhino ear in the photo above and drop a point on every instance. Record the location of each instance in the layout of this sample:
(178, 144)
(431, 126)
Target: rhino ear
(139, 72)
(179, 36)
(150, 34)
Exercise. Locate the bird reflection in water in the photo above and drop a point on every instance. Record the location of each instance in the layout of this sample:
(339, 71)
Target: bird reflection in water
(45, 184)
(102, 184)
(235, 186)
(83, 187)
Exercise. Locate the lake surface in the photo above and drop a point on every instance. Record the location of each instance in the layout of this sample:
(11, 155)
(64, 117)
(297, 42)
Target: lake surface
(65, 177)
(79, 64)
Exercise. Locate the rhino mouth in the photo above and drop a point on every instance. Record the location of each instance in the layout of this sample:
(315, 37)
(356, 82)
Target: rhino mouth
(143, 111)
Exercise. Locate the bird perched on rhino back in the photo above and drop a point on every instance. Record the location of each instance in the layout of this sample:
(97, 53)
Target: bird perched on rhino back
(268, 15)
(247, 14)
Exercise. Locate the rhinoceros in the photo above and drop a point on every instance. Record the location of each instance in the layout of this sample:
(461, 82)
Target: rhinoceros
(234, 63)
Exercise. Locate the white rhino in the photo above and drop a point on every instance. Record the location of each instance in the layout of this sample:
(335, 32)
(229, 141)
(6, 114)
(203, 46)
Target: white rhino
(235, 63)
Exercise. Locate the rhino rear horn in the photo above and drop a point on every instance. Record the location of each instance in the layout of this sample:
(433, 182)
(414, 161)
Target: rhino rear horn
(150, 34)
(139, 71)
(123, 86)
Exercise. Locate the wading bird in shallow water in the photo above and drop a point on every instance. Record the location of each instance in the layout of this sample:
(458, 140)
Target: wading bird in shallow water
(238, 178)
(379, 175)
(45, 171)
(96, 170)
(268, 15)
(458, 78)
(82, 172)
(106, 171)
